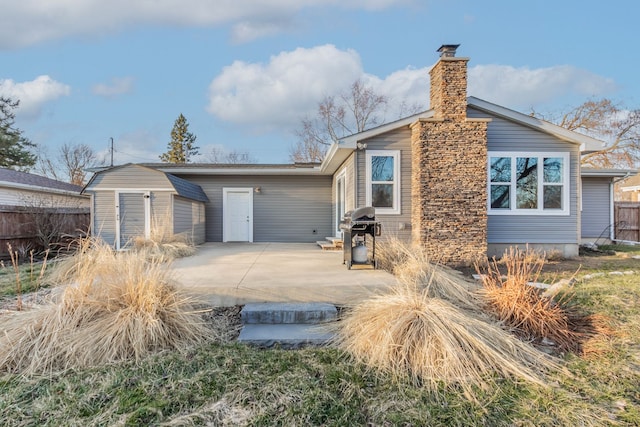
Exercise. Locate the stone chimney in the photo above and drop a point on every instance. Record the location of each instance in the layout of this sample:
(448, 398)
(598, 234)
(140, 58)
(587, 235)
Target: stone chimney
(449, 170)
(449, 84)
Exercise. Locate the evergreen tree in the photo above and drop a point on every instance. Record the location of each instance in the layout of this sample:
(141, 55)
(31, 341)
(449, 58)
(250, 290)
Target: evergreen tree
(15, 149)
(182, 144)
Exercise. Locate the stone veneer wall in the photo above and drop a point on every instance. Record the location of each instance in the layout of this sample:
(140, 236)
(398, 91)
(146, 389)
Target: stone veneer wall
(449, 172)
(449, 190)
(448, 97)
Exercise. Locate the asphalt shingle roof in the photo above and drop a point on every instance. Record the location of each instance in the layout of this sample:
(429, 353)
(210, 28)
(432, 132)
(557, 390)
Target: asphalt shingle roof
(187, 189)
(24, 178)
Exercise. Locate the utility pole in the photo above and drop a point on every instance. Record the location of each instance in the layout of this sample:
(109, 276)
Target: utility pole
(111, 151)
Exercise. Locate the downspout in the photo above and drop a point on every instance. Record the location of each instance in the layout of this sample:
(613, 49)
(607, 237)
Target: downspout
(355, 169)
(612, 229)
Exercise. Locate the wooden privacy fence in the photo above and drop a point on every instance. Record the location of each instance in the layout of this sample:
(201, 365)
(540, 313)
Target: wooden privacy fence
(627, 221)
(29, 228)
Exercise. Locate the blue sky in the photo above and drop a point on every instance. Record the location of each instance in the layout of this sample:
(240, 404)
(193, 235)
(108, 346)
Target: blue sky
(245, 72)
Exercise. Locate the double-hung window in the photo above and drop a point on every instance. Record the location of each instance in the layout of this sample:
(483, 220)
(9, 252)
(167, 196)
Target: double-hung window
(528, 183)
(383, 181)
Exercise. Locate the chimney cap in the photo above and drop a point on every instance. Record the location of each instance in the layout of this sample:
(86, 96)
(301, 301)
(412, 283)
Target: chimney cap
(448, 50)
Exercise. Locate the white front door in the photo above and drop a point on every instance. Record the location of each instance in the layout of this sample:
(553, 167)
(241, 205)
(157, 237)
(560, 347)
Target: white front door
(237, 215)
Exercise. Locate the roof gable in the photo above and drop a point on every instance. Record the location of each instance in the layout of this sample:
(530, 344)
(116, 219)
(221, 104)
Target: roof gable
(586, 143)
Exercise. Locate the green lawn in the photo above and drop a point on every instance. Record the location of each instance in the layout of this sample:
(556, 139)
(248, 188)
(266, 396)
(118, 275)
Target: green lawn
(28, 274)
(230, 384)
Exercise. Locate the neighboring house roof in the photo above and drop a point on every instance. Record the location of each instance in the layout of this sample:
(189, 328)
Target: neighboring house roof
(631, 184)
(182, 187)
(29, 181)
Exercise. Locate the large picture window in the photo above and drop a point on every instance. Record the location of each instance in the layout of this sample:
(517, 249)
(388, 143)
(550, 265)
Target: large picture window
(383, 181)
(528, 183)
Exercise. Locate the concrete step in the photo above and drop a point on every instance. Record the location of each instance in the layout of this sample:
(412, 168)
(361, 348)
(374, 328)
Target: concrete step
(337, 241)
(290, 335)
(288, 313)
(327, 246)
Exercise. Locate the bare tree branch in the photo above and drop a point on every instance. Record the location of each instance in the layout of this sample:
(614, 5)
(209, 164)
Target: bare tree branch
(348, 113)
(604, 119)
(222, 156)
(69, 164)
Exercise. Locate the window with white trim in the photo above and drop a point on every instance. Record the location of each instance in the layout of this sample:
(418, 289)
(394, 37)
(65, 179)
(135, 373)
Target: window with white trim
(383, 181)
(528, 183)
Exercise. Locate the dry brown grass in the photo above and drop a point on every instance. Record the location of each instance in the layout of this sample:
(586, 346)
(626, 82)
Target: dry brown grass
(163, 242)
(530, 313)
(411, 265)
(407, 332)
(119, 306)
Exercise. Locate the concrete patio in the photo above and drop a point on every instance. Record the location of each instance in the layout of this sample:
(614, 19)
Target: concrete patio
(227, 274)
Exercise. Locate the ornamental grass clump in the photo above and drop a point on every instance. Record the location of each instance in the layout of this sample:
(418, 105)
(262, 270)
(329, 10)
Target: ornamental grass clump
(413, 268)
(163, 243)
(117, 306)
(407, 333)
(511, 298)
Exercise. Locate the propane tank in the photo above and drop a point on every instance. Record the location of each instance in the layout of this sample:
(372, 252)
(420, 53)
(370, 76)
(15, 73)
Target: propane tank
(359, 253)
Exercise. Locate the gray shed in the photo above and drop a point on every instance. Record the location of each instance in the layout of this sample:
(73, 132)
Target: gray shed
(133, 200)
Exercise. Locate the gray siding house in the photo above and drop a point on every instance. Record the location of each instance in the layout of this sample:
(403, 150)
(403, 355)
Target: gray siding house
(464, 179)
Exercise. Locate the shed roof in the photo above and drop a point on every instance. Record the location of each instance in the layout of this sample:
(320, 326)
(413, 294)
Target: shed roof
(181, 186)
(187, 189)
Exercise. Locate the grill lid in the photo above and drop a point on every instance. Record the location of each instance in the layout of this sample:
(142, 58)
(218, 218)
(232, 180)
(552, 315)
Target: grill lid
(366, 213)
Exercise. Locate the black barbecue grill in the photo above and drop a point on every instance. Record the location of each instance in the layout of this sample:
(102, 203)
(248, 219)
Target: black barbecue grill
(356, 226)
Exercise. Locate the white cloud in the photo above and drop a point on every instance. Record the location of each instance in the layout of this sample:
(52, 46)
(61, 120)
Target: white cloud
(405, 89)
(288, 87)
(524, 87)
(277, 94)
(247, 31)
(34, 94)
(117, 86)
(54, 19)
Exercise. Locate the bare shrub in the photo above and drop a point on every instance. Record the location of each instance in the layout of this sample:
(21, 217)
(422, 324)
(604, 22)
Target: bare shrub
(554, 255)
(120, 306)
(407, 332)
(531, 313)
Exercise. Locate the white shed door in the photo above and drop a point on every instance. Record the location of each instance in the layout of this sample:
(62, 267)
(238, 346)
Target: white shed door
(238, 215)
(132, 217)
